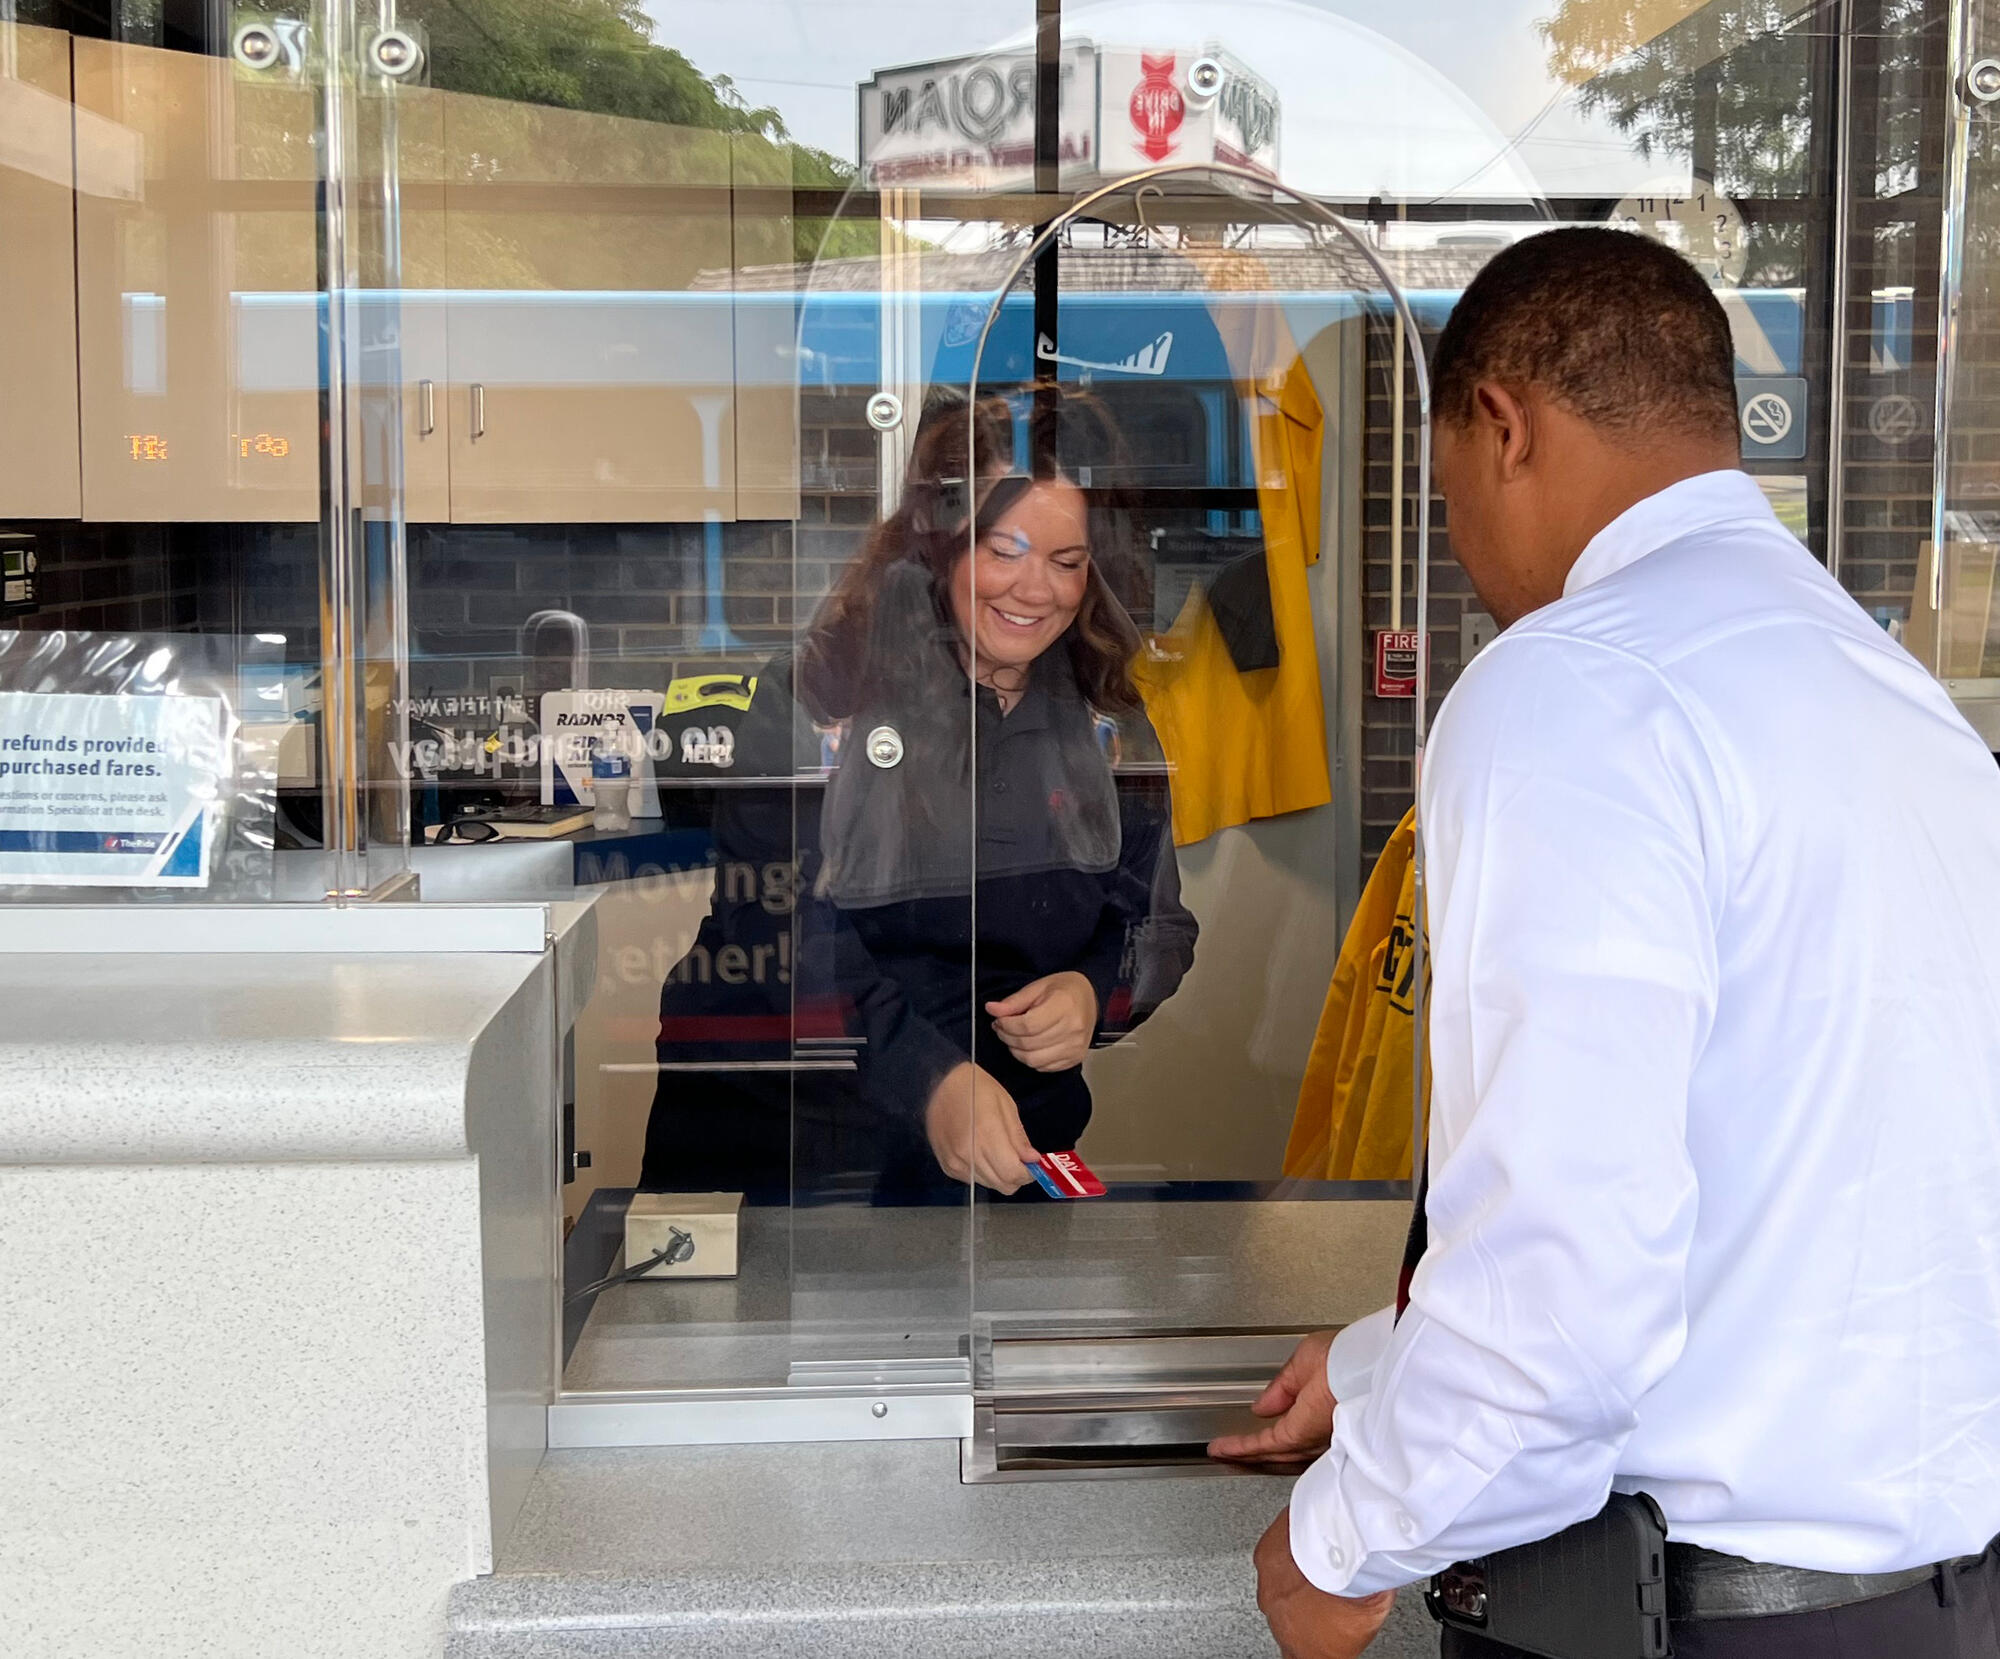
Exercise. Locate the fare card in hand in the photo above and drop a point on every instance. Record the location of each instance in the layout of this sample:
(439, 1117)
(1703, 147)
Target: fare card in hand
(1065, 1175)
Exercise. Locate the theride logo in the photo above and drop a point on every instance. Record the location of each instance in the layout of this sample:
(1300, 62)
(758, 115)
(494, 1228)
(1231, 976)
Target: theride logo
(1157, 107)
(131, 843)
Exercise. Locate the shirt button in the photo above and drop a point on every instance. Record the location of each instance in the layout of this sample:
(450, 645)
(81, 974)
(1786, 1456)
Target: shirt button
(999, 786)
(1337, 1556)
(1406, 1526)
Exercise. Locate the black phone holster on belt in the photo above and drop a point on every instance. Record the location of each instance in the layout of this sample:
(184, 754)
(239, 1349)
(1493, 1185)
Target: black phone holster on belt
(1596, 1590)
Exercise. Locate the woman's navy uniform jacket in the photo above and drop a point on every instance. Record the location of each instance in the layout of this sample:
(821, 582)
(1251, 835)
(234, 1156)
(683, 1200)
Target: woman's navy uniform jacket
(787, 983)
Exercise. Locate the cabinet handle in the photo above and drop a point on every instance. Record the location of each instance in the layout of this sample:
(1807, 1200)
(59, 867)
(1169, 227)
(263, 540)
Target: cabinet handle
(426, 408)
(478, 411)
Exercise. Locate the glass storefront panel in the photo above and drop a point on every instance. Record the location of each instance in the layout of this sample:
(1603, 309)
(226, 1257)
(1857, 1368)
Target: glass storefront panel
(195, 296)
(702, 456)
(1954, 625)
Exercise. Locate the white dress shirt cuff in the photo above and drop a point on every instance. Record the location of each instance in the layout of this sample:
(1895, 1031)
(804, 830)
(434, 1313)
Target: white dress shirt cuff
(1327, 1545)
(1351, 1361)
(1323, 1541)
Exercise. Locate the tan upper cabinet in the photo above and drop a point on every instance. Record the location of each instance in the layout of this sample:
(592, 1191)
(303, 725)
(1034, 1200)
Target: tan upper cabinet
(38, 439)
(198, 332)
(591, 342)
(563, 318)
(418, 295)
(767, 326)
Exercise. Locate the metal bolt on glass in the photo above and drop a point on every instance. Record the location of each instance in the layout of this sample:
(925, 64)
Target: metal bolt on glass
(256, 46)
(885, 746)
(394, 54)
(1982, 81)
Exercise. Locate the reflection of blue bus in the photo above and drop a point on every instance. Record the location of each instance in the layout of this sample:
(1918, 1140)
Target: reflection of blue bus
(830, 339)
(839, 339)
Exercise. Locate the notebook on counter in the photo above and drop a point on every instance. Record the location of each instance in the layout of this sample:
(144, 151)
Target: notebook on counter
(532, 822)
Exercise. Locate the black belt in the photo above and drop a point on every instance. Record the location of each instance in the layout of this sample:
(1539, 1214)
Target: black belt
(1705, 1584)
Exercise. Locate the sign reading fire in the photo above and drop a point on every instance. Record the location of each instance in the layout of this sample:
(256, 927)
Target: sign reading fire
(1395, 663)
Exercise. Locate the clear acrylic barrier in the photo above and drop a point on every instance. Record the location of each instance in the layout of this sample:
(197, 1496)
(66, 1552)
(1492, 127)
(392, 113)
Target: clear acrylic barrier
(1184, 356)
(1191, 408)
(796, 1015)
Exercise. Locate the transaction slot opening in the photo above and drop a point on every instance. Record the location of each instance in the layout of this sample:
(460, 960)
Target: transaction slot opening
(1082, 1405)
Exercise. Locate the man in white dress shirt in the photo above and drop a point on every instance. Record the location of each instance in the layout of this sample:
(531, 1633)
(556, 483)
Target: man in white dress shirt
(1714, 915)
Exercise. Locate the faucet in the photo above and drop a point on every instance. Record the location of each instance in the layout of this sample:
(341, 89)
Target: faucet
(579, 645)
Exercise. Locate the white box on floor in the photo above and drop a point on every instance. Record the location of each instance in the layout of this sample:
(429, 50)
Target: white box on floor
(708, 1218)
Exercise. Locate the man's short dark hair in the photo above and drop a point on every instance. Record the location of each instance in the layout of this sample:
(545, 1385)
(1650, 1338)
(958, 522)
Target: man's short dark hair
(1616, 327)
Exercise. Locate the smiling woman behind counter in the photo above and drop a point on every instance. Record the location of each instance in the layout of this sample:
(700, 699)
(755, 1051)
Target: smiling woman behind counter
(975, 900)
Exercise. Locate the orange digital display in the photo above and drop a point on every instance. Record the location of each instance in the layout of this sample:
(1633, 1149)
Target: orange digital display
(147, 446)
(263, 443)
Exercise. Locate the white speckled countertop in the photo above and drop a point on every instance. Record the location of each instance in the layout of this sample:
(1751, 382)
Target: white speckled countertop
(279, 1325)
(875, 1551)
(249, 1058)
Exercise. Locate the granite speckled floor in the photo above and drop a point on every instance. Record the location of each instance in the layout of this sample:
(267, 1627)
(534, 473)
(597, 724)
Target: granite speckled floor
(874, 1551)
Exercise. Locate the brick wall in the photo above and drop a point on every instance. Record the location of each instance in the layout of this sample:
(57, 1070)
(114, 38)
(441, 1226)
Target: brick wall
(114, 578)
(1388, 733)
(1901, 103)
(647, 592)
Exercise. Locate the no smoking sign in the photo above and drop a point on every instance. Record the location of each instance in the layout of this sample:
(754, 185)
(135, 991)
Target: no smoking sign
(1895, 418)
(1771, 418)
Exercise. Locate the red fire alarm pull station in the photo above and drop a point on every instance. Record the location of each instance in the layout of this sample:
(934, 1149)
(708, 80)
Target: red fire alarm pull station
(1395, 663)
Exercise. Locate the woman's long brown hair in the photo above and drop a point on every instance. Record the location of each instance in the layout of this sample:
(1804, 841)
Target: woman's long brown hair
(893, 603)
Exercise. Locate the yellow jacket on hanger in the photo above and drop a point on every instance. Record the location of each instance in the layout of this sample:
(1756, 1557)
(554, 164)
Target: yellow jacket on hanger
(1251, 744)
(1353, 1117)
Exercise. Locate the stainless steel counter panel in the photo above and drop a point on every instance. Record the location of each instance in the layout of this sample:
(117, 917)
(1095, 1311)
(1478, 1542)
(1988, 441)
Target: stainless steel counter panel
(826, 1282)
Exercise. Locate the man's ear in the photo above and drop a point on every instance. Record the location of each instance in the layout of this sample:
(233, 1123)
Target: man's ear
(1508, 425)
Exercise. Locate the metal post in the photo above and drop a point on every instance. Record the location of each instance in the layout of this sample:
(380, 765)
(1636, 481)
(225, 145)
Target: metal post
(1048, 268)
(343, 711)
(1951, 276)
(1839, 277)
(388, 600)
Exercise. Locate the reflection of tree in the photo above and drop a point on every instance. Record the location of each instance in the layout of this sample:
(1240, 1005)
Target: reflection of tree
(600, 56)
(1728, 86)
(1727, 89)
(596, 55)
(1906, 101)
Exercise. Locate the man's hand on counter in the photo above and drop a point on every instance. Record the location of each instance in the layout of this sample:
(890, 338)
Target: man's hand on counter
(1309, 1623)
(1301, 1400)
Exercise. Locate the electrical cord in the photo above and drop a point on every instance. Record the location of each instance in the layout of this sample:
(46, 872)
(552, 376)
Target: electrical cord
(680, 1246)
